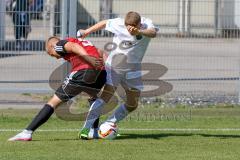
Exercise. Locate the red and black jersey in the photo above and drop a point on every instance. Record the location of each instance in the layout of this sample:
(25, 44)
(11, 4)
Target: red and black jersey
(77, 62)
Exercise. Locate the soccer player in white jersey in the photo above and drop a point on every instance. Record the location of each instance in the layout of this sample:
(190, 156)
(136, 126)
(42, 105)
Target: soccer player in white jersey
(131, 38)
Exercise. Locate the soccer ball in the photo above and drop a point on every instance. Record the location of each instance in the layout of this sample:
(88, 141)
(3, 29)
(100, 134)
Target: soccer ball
(108, 130)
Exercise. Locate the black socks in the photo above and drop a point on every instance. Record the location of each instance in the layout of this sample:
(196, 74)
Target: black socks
(41, 117)
(45, 114)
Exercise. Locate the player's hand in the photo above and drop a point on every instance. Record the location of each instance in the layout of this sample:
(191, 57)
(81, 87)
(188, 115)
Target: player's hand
(103, 54)
(95, 62)
(99, 62)
(81, 33)
(133, 30)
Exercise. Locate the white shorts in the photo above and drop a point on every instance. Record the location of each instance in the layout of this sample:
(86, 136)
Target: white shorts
(129, 77)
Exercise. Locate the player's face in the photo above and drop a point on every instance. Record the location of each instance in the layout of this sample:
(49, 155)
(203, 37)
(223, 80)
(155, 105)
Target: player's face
(138, 25)
(50, 50)
(133, 28)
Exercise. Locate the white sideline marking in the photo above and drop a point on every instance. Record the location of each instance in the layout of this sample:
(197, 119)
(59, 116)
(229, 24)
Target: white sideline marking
(134, 129)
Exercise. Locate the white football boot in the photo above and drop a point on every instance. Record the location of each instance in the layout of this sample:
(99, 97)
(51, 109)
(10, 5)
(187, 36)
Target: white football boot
(25, 135)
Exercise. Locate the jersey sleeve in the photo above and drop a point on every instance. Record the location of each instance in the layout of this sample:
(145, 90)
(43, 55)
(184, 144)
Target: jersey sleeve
(112, 25)
(59, 48)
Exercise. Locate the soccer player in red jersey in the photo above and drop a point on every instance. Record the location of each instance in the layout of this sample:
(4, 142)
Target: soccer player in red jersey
(87, 75)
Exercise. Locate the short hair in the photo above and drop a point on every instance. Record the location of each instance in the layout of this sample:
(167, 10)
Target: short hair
(132, 18)
(53, 37)
(49, 39)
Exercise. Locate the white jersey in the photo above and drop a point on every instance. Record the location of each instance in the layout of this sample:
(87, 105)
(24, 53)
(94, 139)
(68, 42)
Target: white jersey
(134, 47)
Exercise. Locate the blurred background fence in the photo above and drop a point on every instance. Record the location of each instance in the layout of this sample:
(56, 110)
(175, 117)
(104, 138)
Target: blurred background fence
(198, 42)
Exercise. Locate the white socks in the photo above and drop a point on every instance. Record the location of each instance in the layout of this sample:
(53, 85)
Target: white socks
(94, 112)
(120, 113)
(96, 108)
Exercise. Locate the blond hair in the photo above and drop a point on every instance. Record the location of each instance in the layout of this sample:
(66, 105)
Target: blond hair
(132, 18)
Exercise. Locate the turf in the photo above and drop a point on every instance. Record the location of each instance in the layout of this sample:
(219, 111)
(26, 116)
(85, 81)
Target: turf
(132, 144)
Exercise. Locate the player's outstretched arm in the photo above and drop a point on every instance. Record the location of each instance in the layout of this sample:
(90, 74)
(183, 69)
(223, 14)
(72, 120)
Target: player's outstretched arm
(98, 26)
(151, 32)
(77, 49)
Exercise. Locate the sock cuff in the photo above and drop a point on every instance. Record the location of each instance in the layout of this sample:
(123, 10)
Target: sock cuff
(49, 107)
(41, 117)
(91, 101)
(100, 100)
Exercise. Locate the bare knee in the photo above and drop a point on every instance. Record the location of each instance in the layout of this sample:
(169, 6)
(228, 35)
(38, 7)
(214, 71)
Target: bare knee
(132, 99)
(54, 102)
(107, 92)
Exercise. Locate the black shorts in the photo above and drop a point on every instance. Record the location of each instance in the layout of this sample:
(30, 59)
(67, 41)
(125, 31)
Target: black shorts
(89, 81)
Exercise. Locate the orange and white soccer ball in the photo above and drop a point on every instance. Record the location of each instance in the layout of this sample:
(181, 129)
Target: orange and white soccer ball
(108, 130)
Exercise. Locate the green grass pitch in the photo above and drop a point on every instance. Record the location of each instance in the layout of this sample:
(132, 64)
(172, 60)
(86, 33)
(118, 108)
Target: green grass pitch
(162, 134)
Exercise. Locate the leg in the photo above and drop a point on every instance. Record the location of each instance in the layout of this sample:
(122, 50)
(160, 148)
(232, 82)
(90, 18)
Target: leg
(132, 99)
(132, 85)
(132, 96)
(107, 93)
(48, 109)
(41, 117)
(96, 123)
(67, 91)
(95, 112)
(44, 114)
(96, 107)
